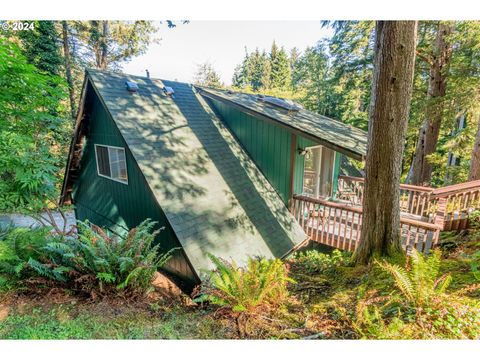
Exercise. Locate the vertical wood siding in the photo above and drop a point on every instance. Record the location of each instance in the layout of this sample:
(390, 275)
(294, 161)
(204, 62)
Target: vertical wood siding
(115, 205)
(269, 147)
(267, 144)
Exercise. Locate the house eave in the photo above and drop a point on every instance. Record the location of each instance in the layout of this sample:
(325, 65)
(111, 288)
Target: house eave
(357, 156)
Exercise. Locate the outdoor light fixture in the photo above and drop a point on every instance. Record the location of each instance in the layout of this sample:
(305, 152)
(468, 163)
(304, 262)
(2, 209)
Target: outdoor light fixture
(302, 151)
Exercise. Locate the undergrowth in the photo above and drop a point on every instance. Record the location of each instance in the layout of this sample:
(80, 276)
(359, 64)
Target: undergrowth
(92, 261)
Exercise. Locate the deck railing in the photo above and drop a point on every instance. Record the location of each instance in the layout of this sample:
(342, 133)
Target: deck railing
(455, 203)
(340, 225)
(448, 206)
(413, 199)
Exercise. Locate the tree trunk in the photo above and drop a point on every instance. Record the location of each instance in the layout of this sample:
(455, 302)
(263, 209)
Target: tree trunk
(104, 45)
(437, 85)
(389, 109)
(68, 67)
(475, 162)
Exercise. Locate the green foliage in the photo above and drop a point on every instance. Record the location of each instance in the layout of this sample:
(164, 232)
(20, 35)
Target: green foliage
(90, 261)
(445, 318)
(109, 43)
(422, 309)
(261, 284)
(41, 47)
(311, 72)
(32, 132)
(116, 321)
(312, 261)
(19, 248)
(420, 283)
(207, 76)
(254, 72)
(351, 49)
(280, 76)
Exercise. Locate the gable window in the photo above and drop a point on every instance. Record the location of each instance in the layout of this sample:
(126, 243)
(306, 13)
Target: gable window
(111, 163)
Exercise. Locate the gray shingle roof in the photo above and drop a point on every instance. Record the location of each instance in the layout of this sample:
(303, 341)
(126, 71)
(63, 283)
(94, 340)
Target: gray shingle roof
(215, 198)
(332, 133)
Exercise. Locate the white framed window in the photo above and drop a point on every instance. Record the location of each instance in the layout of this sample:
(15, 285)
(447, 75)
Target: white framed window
(318, 172)
(111, 163)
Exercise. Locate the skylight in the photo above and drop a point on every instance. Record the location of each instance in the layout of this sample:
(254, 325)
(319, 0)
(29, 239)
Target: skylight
(131, 86)
(282, 103)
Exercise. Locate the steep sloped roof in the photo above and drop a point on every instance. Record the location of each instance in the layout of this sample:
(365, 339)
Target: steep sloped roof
(332, 133)
(215, 198)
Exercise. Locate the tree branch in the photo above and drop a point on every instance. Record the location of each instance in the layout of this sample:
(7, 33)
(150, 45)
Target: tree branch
(424, 57)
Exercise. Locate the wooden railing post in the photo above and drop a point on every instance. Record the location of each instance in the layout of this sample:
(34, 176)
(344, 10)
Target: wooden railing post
(441, 213)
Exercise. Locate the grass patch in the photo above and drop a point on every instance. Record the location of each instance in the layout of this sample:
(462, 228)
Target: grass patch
(91, 322)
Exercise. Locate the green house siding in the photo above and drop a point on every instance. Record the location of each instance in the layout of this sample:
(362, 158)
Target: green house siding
(115, 205)
(267, 144)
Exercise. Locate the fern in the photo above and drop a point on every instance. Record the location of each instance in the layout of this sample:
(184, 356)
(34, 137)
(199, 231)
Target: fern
(261, 283)
(93, 255)
(402, 279)
(106, 277)
(421, 282)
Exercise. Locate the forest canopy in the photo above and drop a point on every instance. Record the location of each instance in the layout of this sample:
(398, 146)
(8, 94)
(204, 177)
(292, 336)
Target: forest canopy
(333, 77)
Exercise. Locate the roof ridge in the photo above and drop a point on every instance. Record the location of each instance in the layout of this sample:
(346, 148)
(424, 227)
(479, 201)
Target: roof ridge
(89, 70)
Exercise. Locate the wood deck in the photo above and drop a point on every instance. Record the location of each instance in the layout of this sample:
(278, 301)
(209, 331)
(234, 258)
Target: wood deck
(339, 225)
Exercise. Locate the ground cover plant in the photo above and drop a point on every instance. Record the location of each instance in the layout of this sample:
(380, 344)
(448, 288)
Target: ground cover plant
(388, 299)
(92, 261)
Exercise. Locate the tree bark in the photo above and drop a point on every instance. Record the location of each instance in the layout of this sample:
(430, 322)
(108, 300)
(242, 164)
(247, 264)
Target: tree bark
(104, 45)
(475, 162)
(437, 85)
(68, 67)
(389, 109)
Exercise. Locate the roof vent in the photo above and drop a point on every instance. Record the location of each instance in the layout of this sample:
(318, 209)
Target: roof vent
(168, 91)
(282, 103)
(131, 86)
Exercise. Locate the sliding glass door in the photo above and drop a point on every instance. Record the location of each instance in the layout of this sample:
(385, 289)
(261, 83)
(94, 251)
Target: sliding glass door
(318, 172)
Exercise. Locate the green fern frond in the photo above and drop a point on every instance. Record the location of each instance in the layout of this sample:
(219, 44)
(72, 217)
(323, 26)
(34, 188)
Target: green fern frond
(402, 280)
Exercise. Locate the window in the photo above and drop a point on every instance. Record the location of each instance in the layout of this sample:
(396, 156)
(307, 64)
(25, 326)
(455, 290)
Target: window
(111, 163)
(318, 172)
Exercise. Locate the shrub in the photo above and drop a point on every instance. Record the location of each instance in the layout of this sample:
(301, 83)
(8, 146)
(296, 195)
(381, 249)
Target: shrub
(261, 284)
(18, 246)
(313, 261)
(421, 309)
(420, 283)
(92, 261)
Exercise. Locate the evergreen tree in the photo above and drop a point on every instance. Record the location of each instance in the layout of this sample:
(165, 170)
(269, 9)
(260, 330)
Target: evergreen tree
(241, 75)
(311, 74)
(280, 74)
(259, 70)
(294, 67)
(106, 44)
(388, 118)
(460, 97)
(41, 47)
(207, 76)
(351, 53)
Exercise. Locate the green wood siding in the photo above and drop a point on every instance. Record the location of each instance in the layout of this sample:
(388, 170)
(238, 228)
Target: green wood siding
(267, 144)
(118, 206)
